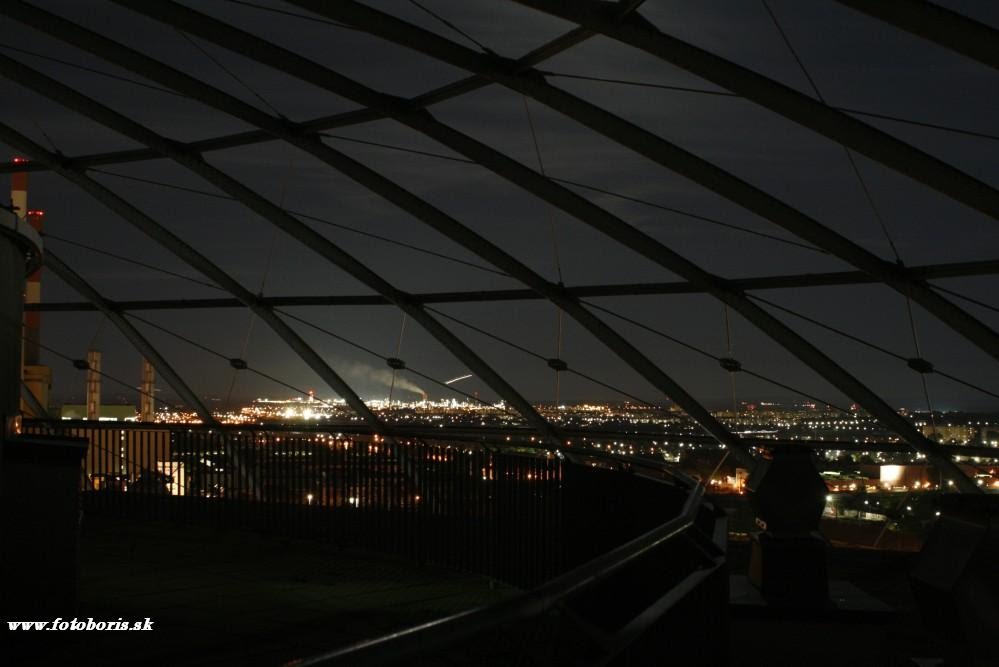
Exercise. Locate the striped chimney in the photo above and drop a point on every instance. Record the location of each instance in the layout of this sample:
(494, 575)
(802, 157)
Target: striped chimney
(33, 285)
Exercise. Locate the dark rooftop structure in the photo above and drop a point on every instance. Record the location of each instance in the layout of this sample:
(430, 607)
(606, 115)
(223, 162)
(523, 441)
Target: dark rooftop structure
(671, 206)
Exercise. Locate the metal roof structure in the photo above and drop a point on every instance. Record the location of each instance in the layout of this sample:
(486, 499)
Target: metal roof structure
(482, 67)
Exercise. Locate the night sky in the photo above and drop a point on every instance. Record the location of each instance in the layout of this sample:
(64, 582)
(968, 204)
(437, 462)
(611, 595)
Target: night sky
(856, 61)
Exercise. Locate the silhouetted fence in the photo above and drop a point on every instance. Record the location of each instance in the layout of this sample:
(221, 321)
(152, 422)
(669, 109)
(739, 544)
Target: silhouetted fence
(465, 506)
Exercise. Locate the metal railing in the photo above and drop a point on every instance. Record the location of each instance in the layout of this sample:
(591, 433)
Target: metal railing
(552, 604)
(607, 546)
(468, 507)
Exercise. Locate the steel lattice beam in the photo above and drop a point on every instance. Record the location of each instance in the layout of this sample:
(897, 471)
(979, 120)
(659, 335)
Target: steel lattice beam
(952, 270)
(867, 140)
(147, 350)
(281, 219)
(185, 252)
(531, 83)
(422, 210)
(144, 347)
(437, 95)
(279, 58)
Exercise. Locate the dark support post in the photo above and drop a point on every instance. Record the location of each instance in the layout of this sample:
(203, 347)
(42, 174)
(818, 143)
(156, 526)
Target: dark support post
(20, 253)
(11, 306)
(788, 561)
(39, 476)
(955, 580)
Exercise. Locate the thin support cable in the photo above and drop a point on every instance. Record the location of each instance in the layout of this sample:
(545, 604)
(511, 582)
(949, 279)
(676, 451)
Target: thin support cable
(849, 155)
(218, 354)
(92, 70)
(555, 248)
(489, 335)
(691, 215)
(705, 353)
(558, 350)
(296, 15)
(235, 77)
(966, 298)
(51, 237)
(639, 84)
(725, 93)
(441, 156)
(871, 203)
(97, 332)
(919, 355)
(867, 343)
(398, 355)
(76, 362)
(728, 352)
(48, 139)
(829, 327)
(644, 84)
(340, 338)
(312, 218)
(382, 357)
(541, 169)
(540, 357)
(451, 25)
(591, 188)
(268, 265)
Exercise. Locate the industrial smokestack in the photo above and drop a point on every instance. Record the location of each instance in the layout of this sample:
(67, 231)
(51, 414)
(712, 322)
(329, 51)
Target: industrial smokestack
(147, 408)
(37, 378)
(19, 200)
(93, 385)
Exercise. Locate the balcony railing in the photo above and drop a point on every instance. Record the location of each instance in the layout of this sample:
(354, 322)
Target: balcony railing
(614, 551)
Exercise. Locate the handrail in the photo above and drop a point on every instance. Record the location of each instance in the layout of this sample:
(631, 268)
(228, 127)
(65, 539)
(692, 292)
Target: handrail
(531, 603)
(454, 628)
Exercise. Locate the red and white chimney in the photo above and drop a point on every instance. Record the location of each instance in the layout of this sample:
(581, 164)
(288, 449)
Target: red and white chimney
(38, 378)
(33, 285)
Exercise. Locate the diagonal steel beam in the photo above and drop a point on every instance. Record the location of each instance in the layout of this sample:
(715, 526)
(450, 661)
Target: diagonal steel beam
(931, 21)
(182, 250)
(279, 58)
(531, 83)
(867, 140)
(280, 218)
(394, 193)
(437, 95)
(145, 348)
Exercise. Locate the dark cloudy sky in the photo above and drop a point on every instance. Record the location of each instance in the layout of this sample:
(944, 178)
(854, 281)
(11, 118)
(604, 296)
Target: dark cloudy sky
(857, 62)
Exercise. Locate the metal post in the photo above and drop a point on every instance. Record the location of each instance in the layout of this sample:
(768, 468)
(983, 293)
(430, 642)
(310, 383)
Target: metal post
(11, 310)
(20, 254)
